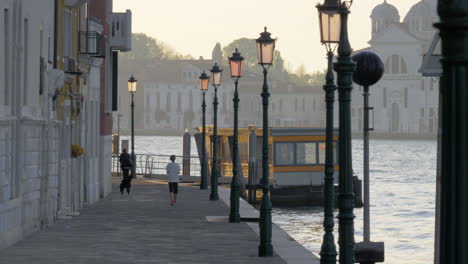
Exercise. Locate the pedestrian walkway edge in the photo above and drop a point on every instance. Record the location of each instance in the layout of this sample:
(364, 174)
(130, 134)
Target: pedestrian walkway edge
(284, 245)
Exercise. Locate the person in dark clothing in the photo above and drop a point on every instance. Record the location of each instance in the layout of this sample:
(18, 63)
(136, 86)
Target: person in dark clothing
(125, 164)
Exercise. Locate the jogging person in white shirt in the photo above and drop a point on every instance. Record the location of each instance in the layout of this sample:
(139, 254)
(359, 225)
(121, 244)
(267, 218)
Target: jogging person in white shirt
(173, 170)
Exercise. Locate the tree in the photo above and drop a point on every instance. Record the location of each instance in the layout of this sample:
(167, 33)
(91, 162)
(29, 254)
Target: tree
(217, 54)
(145, 48)
(248, 49)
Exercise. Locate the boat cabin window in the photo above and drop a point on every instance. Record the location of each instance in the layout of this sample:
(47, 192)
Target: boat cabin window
(306, 153)
(284, 154)
(301, 153)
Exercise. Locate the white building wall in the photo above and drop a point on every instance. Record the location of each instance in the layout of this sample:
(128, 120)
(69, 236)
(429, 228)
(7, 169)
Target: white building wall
(39, 181)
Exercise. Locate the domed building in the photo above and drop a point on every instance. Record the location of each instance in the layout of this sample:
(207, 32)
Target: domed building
(404, 101)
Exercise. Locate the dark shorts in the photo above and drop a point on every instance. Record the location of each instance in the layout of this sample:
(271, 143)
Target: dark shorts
(174, 187)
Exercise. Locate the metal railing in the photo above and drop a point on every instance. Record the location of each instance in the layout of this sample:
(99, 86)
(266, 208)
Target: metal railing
(150, 164)
(92, 43)
(69, 66)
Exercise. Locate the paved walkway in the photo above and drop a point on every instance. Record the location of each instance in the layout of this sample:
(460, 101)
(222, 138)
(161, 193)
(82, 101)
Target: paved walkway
(144, 228)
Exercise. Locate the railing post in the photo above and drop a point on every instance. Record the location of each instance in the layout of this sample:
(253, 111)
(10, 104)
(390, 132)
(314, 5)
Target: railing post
(186, 154)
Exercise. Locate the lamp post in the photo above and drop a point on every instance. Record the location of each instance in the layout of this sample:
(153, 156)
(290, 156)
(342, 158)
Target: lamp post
(369, 70)
(215, 81)
(329, 19)
(204, 81)
(453, 28)
(345, 68)
(265, 51)
(132, 84)
(235, 64)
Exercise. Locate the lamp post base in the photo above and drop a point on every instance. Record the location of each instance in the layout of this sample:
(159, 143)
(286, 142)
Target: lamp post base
(265, 250)
(369, 252)
(214, 196)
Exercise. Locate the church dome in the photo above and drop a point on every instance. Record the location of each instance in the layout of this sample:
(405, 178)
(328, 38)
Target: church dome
(421, 18)
(425, 8)
(385, 10)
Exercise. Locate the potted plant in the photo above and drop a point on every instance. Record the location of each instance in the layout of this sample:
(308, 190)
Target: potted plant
(76, 150)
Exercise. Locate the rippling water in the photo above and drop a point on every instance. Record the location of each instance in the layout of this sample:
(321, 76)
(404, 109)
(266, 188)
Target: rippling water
(402, 187)
(402, 198)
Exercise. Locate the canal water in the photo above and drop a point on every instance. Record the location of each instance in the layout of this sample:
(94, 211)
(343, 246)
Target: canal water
(402, 198)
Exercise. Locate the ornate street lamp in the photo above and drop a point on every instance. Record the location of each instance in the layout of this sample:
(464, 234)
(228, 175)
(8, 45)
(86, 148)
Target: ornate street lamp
(265, 52)
(236, 66)
(329, 19)
(345, 68)
(132, 85)
(204, 83)
(216, 82)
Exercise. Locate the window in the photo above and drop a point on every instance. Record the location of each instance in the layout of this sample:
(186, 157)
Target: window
(301, 153)
(6, 56)
(295, 105)
(303, 104)
(395, 64)
(306, 153)
(49, 51)
(158, 107)
(406, 97)
(191, 102)
(384, 97)
(25, 62)
(422, 113)
(67, 37)
(168, 103)
(84, 17)
(422, 85)
(284, 154)
(41, 61)
(431, 85)
(179, 102)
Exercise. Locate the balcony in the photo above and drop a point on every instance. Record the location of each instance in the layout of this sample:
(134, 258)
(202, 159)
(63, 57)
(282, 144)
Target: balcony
(121, 31)
(69, 66)
(74, 3)
(93, 44)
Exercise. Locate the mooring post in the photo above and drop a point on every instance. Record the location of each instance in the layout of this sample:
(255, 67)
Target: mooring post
(186, 154)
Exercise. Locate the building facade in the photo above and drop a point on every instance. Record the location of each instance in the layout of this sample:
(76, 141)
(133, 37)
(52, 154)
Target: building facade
(56, 56)
(405, 103)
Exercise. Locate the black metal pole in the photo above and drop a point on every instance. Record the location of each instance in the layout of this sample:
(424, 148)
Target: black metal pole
(266, 248)
(203, 180)
(214, 167)
(453, 28)
(345, 68)
(366, 166)
(133, 139)
(234, 216)
(328, 250)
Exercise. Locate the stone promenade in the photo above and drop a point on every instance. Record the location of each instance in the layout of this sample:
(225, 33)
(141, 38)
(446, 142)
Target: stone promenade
(143, 228)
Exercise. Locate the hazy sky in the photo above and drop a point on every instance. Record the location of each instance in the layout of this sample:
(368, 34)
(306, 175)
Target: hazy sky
(194, 27)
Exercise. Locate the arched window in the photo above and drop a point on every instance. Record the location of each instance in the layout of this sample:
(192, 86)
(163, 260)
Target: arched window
(395, 64)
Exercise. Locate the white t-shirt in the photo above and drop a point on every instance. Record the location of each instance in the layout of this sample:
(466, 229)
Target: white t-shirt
(172, 170)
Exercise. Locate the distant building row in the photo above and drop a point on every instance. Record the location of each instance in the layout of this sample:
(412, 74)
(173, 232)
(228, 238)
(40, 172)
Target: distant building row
(168, 100)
